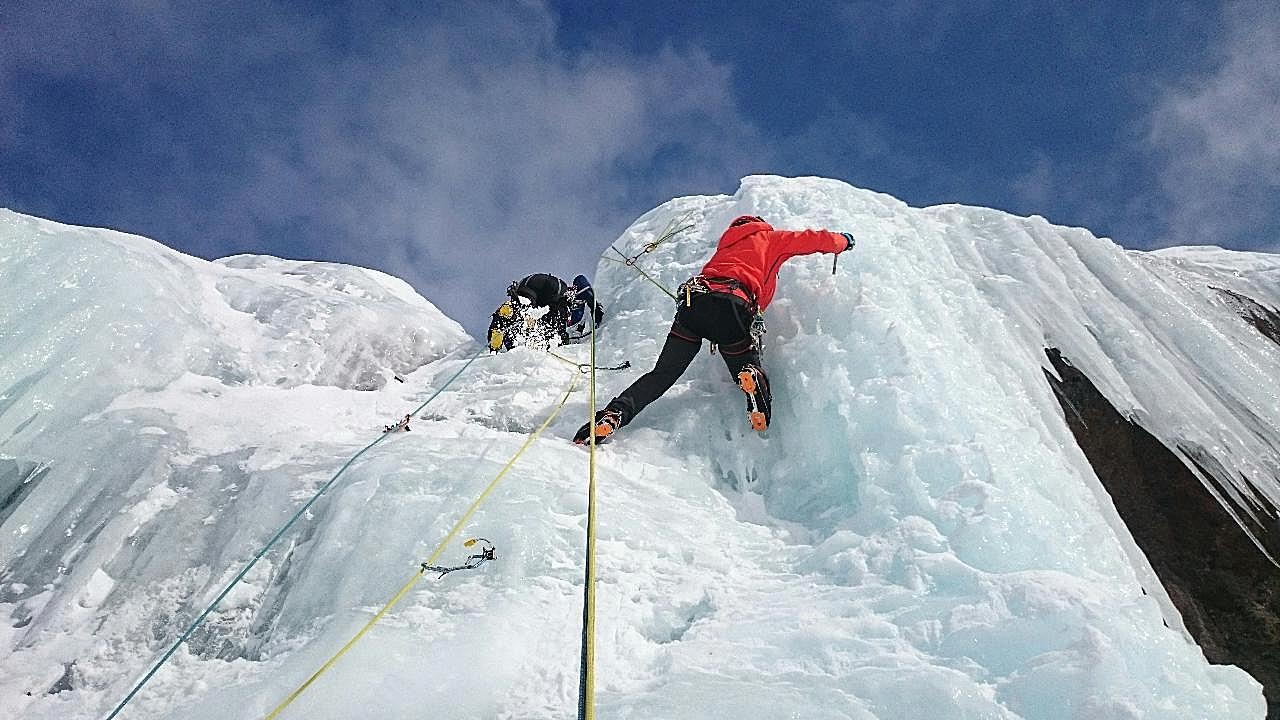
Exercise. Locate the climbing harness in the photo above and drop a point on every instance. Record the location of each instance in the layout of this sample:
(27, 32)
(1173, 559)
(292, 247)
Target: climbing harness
(279, 534)
(701, 284)
(401, 425)
(404, 590)
(471, 563)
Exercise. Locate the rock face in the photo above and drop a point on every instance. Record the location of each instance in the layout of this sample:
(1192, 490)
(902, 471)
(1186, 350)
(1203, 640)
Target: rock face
(1227, 590)
(1265, 319)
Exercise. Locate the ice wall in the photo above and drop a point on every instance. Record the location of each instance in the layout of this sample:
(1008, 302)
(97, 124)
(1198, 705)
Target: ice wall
(150, 403)
(951, 308)
(915, 441)
(916, 536)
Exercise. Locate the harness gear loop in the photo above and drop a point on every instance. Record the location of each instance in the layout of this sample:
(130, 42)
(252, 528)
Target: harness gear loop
(471, 563)
(729, 286)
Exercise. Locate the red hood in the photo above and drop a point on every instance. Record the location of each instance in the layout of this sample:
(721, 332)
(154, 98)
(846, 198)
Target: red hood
(734, 234)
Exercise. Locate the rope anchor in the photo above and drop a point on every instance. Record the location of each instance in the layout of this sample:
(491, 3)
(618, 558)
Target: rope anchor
(401, 425)
(677, 225)
(471, 563)
(585, 368)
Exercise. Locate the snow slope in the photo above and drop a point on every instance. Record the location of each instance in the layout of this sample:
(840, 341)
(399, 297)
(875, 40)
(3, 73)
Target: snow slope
(916, 536)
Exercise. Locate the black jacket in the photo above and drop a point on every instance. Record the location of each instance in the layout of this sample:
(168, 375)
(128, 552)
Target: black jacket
(542, 290)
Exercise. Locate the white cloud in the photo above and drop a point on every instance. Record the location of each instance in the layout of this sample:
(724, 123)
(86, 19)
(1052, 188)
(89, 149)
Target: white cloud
(459, 147)
(1217, 138)
(481, 150)
(1038, 185)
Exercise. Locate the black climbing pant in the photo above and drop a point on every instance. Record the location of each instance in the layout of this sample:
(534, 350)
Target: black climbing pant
(723, 319)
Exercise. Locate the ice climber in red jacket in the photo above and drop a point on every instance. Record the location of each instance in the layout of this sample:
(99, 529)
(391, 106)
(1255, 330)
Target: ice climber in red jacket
(721, 304)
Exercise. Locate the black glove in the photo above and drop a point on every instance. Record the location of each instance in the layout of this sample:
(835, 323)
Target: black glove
(849, 238)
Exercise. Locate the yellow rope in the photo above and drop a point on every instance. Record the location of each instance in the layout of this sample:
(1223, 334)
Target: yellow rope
(642, 272)
(430, 561)
(586, 695)
(673, 228)
(587, 670)
(564, 359)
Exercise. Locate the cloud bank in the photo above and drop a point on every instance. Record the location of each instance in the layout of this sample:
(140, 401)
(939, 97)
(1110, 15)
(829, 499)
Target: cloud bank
(1217, 138)
(461, 145)
(459, 148)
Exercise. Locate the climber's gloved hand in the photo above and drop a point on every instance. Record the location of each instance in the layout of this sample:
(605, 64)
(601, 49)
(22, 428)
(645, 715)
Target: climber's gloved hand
(849, 239)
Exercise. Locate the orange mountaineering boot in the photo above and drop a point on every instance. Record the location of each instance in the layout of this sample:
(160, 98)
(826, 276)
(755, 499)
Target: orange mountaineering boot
(753, 382)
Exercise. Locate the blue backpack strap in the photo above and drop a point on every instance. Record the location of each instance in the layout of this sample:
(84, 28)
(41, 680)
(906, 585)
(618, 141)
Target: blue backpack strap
(584, 297)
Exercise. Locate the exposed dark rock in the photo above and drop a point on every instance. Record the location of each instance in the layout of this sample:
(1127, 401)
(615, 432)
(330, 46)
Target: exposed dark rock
(64, 683)
(1265, 319)
(1227, 590)
(17, 479)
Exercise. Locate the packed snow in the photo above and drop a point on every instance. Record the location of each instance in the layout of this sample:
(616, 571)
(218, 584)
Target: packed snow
(917, 534)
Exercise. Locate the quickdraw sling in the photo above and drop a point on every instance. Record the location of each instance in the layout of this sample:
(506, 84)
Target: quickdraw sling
(471, 563)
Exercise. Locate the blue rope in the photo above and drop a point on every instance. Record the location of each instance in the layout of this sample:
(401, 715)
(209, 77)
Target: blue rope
(192, 628)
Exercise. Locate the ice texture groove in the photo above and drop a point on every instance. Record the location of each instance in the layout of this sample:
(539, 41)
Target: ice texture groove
(916, 534)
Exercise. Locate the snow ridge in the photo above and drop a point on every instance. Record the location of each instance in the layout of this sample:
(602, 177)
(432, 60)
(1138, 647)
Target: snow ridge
(917, 534)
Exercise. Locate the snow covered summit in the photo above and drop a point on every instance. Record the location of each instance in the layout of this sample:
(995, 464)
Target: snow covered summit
(918, 534)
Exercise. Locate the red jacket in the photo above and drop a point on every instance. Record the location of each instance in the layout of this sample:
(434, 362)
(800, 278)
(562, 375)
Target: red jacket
(752, 253)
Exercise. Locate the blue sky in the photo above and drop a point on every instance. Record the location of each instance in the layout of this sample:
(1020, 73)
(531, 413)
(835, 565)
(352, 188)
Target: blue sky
(460, 145)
